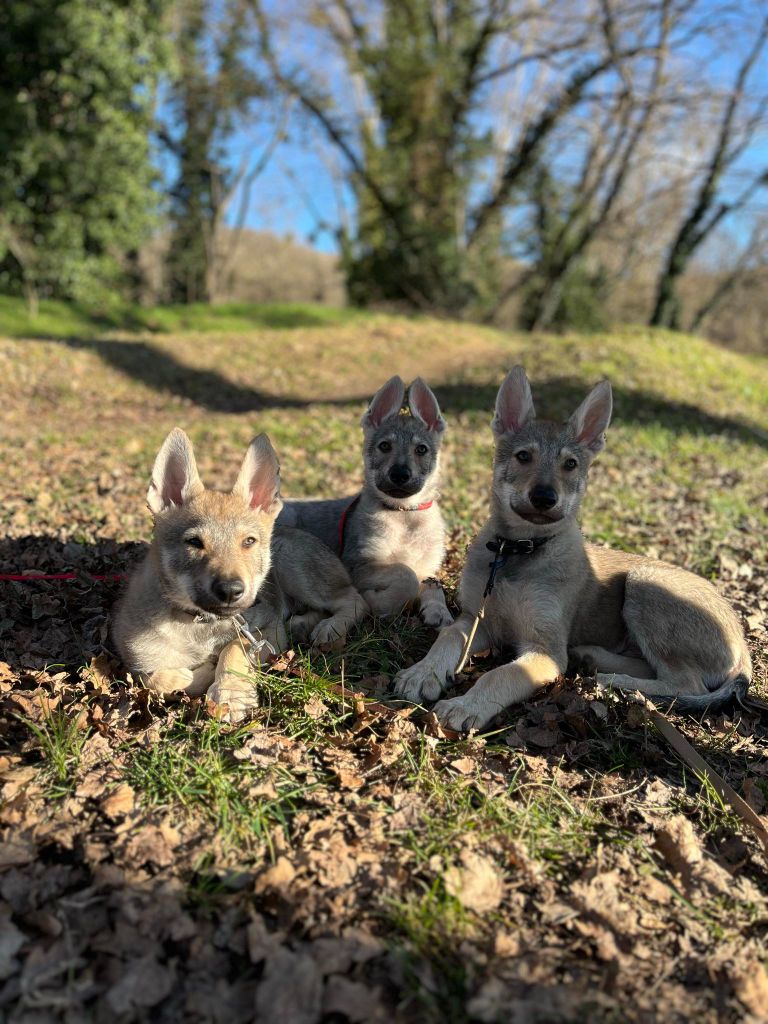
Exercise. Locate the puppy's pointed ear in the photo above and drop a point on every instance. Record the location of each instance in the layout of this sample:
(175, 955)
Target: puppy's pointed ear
(423, 406)
(388, 401)
(175, 480)
(258, 482)
(514, 403)
(590, 421)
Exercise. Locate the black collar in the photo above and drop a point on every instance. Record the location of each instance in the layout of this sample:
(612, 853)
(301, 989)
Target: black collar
(503, 548)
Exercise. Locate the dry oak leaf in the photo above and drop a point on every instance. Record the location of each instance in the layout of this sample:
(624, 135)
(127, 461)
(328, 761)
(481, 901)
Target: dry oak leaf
(278, 876)
(477, 884)
(682, 849)
(144, 983)
(119, 802)
(11, 941)
(352, 1000)
(291, 990)
(15, 852)
(750, 983)
(154, 844)
(315, 708)
(334, 955)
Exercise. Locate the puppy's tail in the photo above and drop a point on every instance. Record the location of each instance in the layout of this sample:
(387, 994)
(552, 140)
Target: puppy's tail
(730, 693)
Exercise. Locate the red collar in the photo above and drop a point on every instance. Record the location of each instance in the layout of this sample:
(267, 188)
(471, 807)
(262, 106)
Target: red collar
(345, 515)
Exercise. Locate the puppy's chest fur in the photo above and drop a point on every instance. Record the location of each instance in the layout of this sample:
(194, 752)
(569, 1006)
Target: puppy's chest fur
(385, 537)
(527, 601)
(165, 637)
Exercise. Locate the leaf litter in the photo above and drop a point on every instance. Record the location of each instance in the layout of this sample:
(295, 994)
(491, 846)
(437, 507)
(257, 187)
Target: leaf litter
(342, 858)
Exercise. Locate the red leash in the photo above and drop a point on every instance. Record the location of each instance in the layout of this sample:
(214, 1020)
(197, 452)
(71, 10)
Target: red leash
(343, 523)
(33, 577)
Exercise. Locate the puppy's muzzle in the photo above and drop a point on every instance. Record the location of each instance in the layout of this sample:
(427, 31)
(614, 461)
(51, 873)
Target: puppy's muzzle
(543, 498)
(228, 591)
(400, 475)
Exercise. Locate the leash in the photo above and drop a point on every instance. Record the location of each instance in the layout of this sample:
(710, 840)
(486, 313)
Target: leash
(502, 549)
(345, 515)
(343, 523)
(255, 646)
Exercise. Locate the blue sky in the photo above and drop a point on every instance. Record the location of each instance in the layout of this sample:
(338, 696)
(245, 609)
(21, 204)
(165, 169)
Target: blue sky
(296, 195)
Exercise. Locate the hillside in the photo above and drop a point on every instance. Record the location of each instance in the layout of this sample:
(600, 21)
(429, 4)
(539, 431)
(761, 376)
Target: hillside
(335, 858)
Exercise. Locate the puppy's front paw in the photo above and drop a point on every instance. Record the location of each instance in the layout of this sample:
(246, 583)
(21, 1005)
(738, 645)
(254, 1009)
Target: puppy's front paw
(580, 663)
(232, 686)
(239, 696)
(330, 634)
(419, 683)
(436, 615)
(464, 713)
(300, 626)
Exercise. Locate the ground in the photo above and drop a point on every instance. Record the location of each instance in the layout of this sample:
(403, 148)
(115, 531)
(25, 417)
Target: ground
(335, 859)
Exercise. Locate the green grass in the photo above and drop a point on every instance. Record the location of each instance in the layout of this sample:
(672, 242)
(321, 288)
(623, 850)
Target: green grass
(64, 319)
(59, 739)
(192, 768)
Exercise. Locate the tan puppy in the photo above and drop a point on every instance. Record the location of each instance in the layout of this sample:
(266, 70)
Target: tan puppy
(216, 556)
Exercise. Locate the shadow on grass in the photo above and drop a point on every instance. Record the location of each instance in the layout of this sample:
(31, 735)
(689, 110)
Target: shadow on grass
(558, 397)
(555, 398)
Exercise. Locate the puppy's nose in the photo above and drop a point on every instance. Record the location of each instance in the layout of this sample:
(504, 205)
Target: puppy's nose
(399, 474)
(228, 591)
(543, 497)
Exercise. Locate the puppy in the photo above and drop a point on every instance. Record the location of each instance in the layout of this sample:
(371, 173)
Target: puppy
(391, 535)
(216, 562)
(642, 624)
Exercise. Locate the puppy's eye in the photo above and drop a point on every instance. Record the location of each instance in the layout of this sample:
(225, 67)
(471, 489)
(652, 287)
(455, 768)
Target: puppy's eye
(570, 464)
(523, 456)
(195, 542)
(385, 446)
(421, 449)
(249, 542)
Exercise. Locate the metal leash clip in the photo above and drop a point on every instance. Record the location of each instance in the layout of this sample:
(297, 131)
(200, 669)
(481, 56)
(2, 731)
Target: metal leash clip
(256, 646)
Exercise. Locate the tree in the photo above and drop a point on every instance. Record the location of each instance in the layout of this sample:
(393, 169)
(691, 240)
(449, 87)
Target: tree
(432, 176)
(77, 81)
(737, 127)
(213, 84)
(559, 288)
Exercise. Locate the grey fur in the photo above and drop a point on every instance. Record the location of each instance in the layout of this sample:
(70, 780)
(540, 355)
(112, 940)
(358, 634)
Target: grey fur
(172, 630)
(642, 624)
(390, 549)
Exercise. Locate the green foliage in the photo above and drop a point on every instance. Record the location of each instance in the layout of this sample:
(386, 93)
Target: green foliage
(59, 739)
(76, 181)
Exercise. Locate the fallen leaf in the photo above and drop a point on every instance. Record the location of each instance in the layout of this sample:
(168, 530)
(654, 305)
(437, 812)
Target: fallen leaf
(477, 884)
(277, 876)
(14, 852)
(120, 802)
(291, 990)
(750, 984)
(144, 983)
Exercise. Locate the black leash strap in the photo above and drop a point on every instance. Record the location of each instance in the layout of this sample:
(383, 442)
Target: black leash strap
(502, 548)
